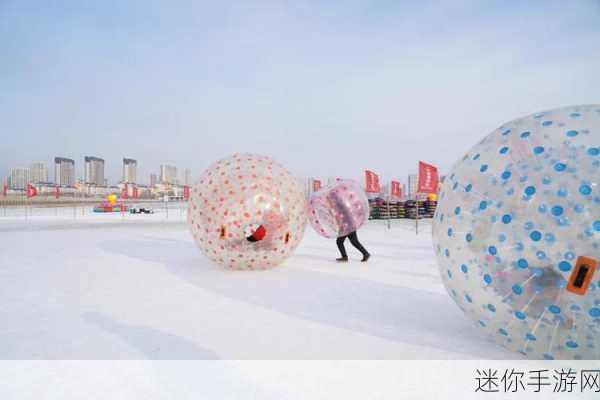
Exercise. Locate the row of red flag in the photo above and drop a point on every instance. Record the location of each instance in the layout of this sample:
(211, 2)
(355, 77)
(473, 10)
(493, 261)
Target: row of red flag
(428, 181)
(30, 191)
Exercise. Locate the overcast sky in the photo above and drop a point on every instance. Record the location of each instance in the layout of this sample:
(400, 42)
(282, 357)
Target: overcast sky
(327, 88)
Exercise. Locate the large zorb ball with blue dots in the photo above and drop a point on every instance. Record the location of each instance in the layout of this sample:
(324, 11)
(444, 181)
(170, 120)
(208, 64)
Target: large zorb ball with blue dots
(517, 234)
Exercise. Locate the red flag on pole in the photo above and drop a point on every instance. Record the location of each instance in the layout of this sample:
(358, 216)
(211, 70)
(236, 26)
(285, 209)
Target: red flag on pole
(57, 192)
(136, 192)
(428, 178)
(396, 191)
(186, 192)
(125, 192)
(316, 185)
(31, 191)
(372, 182)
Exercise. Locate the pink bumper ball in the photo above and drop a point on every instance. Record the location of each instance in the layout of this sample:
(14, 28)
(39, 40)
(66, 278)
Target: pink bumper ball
(247, 212)
(338, 209)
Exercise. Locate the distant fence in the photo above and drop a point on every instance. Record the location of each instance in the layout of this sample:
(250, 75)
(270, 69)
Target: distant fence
(62, 201)
(79, 208)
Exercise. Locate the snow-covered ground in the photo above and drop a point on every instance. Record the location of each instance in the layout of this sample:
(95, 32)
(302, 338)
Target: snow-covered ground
(94, 286)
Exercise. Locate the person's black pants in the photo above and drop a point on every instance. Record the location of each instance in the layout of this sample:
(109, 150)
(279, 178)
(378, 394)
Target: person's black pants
(354, 240)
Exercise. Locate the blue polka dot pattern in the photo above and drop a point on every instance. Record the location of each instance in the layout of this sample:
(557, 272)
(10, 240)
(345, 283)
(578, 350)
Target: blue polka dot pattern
(531, 192)
(557, 211)
(585, 190)
(517, 289)
(564, 266)
(535, 236)
(554, 309)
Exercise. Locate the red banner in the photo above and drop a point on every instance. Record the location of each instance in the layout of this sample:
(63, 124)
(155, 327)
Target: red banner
(136, 193)
(372, 182)
(125, 192)
(428, 178)
(395, 189)
(57, 192)
(186, 192)
(316, 185)
(31, 191)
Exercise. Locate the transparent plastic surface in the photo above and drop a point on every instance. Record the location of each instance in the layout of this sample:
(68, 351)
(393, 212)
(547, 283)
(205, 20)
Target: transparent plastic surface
(247, 212)
(338, 209)
(517, 218)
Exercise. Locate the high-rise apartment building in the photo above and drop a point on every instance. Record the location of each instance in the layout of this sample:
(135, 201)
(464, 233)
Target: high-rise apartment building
(129, 170)
(168, 174)
(412, 185)
(19, 178)
(153, 180)
(39, 172)
(94, 171)
(64, 171)
(187, 177)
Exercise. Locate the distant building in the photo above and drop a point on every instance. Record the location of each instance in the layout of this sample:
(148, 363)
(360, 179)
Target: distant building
(94, 171)
(385, 190)
(64, 172)
(187, 177)
(412, 185)
(129, 170)
(19, 178)
(153, 180)
(39, 173)
(168, 174)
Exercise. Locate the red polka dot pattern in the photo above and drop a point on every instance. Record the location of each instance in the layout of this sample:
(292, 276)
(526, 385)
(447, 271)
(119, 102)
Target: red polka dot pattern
(237, 194)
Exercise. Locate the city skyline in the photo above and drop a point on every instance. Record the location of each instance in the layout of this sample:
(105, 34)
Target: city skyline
(92, 174)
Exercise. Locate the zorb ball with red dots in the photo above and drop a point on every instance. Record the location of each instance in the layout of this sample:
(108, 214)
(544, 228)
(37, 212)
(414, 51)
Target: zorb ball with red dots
(338, 209)
(517, 234)
(247, 212)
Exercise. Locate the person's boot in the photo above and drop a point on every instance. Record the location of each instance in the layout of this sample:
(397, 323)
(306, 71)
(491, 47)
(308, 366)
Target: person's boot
(365, 257)
(342, 259)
